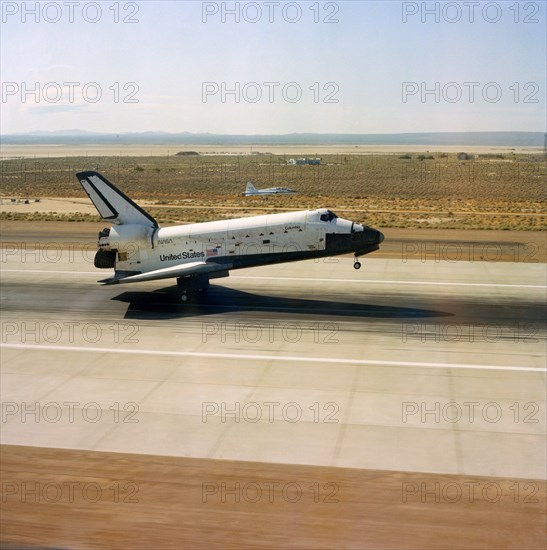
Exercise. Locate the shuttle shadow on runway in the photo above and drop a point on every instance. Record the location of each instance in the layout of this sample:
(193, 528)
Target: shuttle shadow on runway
(164, 304)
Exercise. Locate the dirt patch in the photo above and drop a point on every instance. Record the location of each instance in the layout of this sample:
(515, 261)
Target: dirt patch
(138, 501)
(504, 191)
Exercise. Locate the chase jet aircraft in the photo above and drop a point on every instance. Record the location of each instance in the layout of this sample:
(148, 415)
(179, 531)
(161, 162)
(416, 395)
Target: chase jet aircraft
(252, 190)
(138, 249)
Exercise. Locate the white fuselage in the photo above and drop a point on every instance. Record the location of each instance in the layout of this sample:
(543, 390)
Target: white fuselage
(237, 242)
(270, 191)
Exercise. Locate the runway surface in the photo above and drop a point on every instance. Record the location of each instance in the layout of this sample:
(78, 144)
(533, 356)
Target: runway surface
(430, 367)
(370, 360)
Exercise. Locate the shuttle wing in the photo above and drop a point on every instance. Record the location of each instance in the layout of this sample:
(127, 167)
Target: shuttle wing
(193, 268)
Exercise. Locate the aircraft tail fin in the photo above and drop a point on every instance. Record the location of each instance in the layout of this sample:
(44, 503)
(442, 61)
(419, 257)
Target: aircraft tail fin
(111, 203)
(251, 189)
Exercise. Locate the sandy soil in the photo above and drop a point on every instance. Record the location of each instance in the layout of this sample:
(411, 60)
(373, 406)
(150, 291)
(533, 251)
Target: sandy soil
(84, 206)
(169, 502)
(40, 151)
(62, 206)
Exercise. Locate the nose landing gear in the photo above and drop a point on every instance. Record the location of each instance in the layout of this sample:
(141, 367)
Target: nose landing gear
(356, 263)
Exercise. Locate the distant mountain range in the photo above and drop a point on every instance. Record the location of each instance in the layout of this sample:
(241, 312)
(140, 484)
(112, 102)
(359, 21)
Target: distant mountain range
(83, 137)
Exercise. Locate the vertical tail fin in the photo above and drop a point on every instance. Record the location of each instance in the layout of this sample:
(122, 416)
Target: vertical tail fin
(111, 203)
(251, 189)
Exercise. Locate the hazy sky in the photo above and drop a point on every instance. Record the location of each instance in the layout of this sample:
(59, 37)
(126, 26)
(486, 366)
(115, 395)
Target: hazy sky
(336, 67)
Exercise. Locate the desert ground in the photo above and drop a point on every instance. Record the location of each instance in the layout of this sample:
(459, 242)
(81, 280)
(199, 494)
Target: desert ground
(494, 190)
(55, 151)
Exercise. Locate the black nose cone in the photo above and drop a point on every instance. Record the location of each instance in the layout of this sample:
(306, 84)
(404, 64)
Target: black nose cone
(370, 236)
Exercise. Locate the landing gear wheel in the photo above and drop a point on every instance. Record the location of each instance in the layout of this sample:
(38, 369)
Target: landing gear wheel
(357, 265)
(190, 289)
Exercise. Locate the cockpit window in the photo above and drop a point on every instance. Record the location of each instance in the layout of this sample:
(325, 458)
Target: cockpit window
(328, 216)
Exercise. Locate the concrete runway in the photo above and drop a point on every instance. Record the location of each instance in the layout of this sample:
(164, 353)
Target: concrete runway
(415, 366)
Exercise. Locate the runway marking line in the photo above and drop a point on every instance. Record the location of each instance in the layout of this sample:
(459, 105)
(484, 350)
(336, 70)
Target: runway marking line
(388, 282)
(240, 356)
(308, 279)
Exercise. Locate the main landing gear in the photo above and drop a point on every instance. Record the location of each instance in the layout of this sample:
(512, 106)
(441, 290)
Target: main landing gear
(356, 263)
(192, 287)
(189, 288)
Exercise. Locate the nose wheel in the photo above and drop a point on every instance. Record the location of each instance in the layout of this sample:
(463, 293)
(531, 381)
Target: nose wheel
(356, 263)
